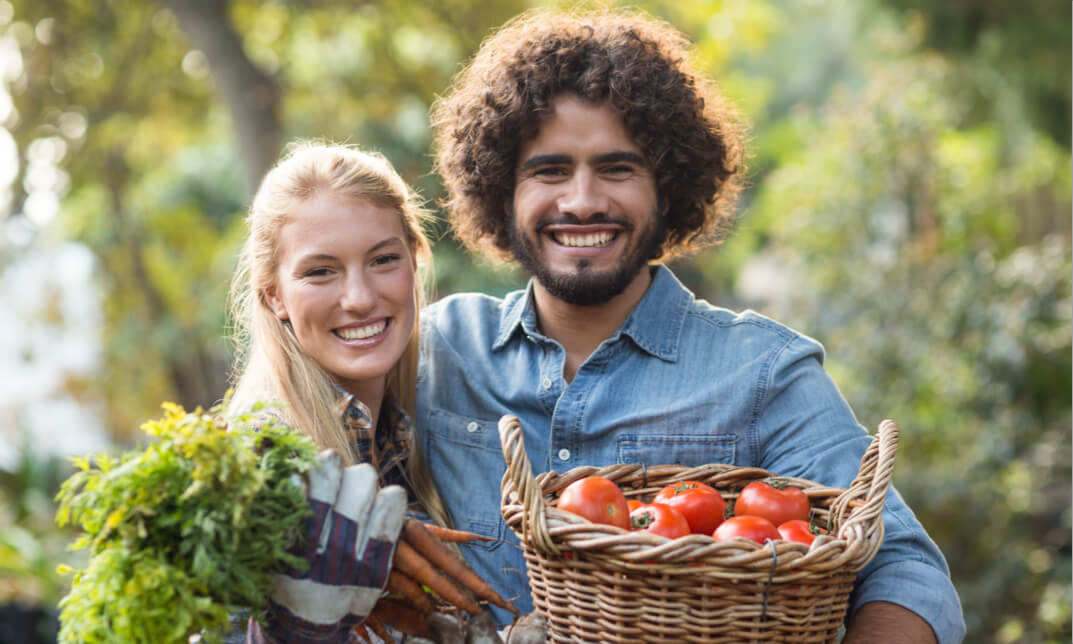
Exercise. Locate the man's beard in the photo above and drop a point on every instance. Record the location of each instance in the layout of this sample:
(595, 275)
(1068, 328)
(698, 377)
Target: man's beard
(586, 287)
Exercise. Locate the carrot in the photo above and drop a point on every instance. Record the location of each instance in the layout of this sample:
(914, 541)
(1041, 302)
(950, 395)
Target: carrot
(447, 535)
(410, 562)
(376, 626)
(359, 630)
(400, 583)
(423, 541)
(402, 616)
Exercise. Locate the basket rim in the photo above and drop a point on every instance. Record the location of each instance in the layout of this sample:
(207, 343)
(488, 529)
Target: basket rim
(859, 527)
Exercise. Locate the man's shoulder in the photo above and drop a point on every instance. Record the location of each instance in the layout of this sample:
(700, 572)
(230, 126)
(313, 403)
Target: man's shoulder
(709, 318)
(464, 306)
(464, 317)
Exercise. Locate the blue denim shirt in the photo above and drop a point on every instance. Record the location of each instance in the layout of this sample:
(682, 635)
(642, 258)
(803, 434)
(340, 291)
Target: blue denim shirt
(681, 382)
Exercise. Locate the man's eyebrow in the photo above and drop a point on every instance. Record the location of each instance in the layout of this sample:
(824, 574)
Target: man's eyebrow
(620, 157)
(545, 159)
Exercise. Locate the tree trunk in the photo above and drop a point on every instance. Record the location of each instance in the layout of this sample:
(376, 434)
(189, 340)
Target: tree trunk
(252, 95)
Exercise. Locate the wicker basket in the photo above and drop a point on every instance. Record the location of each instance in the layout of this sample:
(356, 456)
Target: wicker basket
(599, 583)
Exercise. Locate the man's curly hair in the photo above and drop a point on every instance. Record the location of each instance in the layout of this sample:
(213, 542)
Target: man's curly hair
(635, 64)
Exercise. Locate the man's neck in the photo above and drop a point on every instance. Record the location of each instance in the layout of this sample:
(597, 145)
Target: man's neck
(581, 329)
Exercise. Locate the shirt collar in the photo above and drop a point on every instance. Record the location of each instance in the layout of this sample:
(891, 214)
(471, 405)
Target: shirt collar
(655, 325)
(348, 406)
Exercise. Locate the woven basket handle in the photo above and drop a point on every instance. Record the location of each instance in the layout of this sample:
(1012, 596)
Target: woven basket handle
(872, 482)
(519, 480)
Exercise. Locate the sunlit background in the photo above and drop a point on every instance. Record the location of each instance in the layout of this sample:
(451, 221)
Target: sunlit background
(909, 207)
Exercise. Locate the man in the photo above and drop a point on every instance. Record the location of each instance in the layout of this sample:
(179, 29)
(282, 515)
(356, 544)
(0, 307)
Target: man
(585, 148)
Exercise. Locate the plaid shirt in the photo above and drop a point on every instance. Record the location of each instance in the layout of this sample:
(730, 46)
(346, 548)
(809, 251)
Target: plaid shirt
(386, 448)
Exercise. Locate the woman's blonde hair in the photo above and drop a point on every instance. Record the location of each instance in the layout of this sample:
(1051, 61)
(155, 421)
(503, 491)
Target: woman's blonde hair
(270, 365)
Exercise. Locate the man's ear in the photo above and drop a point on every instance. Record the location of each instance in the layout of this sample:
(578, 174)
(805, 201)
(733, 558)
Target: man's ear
(272, 299)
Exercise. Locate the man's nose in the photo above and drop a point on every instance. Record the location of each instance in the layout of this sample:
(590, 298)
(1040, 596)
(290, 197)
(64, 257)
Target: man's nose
(583, 196)
(359, 295)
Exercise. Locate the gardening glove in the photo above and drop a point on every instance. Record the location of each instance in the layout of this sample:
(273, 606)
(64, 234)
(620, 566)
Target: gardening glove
(349, 543)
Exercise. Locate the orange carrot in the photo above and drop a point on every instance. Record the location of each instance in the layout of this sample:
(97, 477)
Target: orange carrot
(447, 535)
(359, 630)
(402, 616)
(400, 583)
(376, 626)
(410, 562)
(424, 542)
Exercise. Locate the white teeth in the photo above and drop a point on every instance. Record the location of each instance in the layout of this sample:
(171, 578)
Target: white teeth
(362, 332)
(590, 239)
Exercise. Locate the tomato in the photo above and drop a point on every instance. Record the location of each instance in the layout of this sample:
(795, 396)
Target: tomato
(660, 519)
(756, 528)
(633, 504)
(597, 499)
(778, 506)
(797, 530)
(700, 503)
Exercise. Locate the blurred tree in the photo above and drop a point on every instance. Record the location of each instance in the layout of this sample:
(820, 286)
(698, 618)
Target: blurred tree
(1021, 45)
(898, 229)
(252, 96)
(159, 171)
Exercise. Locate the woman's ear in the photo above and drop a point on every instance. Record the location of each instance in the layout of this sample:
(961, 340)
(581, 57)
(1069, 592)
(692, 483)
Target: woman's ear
(272, 299)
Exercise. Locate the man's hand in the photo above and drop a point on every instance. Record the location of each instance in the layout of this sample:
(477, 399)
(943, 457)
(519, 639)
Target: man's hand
(349, 544)
(888, 623)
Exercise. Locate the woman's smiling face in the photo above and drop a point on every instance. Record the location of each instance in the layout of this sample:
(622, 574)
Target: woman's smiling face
(345, 282)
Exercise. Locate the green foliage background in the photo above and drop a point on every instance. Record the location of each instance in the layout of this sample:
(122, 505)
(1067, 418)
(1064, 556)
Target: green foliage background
(909, 206)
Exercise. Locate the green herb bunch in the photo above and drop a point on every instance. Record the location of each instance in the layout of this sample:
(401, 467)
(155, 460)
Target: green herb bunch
(185, 531)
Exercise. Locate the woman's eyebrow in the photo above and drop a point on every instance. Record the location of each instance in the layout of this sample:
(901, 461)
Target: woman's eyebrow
(315, 257)
(386, 242)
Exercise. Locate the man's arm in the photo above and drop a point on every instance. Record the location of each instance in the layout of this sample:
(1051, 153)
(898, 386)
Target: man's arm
(889, 623)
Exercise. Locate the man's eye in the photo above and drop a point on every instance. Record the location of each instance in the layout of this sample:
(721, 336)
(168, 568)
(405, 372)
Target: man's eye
(618, 169)
(550, 171)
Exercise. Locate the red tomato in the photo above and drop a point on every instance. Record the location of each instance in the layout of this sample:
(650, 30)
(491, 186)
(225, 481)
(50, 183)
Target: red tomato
(633, 504)
(660, 519)
(760, 499)
(751, 527)
(597, 499)
(797, 530)
(700, 503)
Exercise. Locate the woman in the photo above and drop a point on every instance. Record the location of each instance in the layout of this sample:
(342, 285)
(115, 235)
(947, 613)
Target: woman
(325, 306)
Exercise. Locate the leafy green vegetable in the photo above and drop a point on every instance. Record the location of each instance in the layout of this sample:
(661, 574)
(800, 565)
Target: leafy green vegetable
(186, 530)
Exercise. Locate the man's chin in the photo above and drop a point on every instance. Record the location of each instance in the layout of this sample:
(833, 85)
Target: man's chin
(585, 289)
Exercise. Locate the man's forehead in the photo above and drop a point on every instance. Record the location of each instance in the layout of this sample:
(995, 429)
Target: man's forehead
(579, 128)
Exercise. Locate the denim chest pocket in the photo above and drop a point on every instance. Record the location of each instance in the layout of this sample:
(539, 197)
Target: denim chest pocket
(461, 430)
(675, 449)
(467, 463)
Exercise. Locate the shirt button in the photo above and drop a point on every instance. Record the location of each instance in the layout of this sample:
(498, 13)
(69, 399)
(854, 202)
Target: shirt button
(546, 383)
(472, 427)
(564, 455)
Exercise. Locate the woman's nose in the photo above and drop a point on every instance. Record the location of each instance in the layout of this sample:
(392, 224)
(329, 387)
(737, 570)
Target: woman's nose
(359, 295)
(583, 195)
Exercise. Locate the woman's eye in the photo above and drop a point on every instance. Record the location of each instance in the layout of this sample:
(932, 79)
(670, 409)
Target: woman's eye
(316, 272)
(382, 260)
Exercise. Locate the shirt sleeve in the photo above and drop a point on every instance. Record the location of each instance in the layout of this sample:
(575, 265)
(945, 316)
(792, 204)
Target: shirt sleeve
(806, 429)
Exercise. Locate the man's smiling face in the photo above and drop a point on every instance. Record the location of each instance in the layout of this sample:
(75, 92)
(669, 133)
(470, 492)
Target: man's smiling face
(585, 217)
